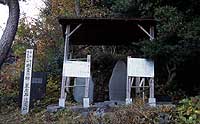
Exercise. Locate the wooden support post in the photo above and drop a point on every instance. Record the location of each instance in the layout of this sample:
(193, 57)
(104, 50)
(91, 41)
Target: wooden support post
(152, 33)
(143, 86)
(132, 80)
(152, 100)
(64, 78)
(86, 99)
(87, 80)
(128, 88)
(151, 83)
(67, 82)
(137, 83)
(127, 84)
(145, 31)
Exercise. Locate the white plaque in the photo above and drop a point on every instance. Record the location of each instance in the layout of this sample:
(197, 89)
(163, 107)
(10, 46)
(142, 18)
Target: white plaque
(27, 81)
(138, 67)
(76, 69)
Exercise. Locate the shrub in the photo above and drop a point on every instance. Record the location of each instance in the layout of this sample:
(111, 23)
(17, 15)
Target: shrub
(189, 110)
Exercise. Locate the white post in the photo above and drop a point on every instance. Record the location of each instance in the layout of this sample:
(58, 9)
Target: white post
(27, 81)
(64, 78)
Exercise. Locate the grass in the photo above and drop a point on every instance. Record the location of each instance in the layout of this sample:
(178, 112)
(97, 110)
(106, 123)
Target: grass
(136, 113)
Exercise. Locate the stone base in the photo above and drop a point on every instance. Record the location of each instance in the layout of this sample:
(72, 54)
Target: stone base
(129, 101)
(53, 108)
(152, 102)
(62, 102)
(86, 102)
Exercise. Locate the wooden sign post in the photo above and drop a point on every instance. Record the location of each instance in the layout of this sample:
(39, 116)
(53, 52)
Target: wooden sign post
(27, 81)
(140, 68)
(77, 69)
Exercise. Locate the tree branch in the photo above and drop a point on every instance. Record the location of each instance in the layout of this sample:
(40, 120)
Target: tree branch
(171, 73)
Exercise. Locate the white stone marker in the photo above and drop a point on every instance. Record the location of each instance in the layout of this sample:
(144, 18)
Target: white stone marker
(27, 81)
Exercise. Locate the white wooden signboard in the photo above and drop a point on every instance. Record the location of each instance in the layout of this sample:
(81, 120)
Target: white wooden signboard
(138, 67)
(27, 81)
(76, 69)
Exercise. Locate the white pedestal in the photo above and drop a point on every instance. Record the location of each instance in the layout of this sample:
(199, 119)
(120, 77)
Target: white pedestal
(152, 102)
(86, 102)
(62, 102)
(129, 101)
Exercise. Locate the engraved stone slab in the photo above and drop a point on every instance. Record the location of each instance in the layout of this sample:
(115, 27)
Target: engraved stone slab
(38, 87)
(117, 83)
(79, 92)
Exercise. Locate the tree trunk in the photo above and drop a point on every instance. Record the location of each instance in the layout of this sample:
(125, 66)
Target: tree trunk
(11, 28)
(77, 7)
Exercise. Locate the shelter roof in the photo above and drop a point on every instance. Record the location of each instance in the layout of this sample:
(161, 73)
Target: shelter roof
(106, 31)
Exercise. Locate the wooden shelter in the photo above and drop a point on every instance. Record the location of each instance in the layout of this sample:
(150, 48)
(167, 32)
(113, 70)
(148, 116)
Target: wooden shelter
(102, 31)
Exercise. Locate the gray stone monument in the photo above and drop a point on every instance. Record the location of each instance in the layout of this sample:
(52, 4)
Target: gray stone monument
(117, 83)
(79, 92)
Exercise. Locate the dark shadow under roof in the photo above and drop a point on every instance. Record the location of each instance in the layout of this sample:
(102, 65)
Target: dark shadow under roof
(106, 31)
